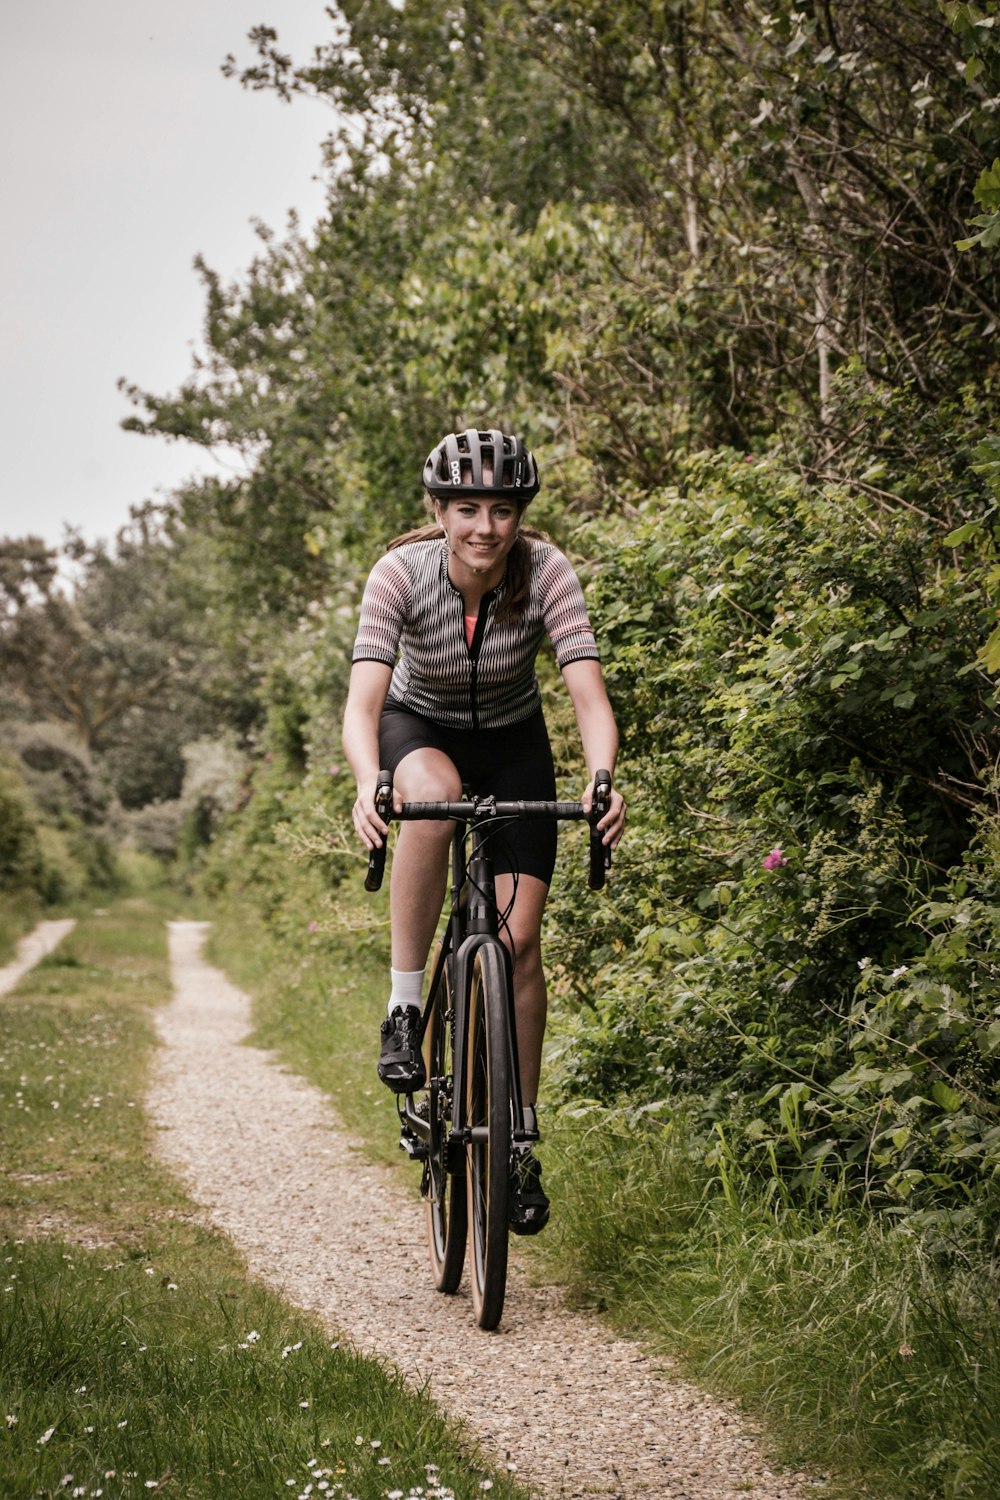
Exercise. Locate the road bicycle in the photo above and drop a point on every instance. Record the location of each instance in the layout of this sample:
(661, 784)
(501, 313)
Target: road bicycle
(463, 1127)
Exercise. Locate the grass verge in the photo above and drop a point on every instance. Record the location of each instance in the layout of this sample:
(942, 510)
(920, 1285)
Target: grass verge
(869, 1354)
(135, 1355)
(862, 1353)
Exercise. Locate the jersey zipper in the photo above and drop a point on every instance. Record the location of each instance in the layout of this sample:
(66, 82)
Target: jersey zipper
(474, 648)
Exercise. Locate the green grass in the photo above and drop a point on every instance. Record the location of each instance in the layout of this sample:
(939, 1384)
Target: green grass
(135, 1354)
(867, 1356)
(860, 1352)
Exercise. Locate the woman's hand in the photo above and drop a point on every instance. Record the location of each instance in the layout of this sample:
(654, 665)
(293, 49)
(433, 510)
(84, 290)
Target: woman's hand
(367, 824)
(612, 825)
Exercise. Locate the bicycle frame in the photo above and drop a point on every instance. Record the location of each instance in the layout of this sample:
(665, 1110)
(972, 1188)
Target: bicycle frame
(472, 923)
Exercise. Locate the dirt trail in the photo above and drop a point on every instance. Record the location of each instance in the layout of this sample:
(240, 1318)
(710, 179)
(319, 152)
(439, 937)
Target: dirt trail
(579, 1411)
(32, 949)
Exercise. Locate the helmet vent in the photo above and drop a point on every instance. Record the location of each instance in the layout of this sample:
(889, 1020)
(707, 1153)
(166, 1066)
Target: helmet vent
(462, 443)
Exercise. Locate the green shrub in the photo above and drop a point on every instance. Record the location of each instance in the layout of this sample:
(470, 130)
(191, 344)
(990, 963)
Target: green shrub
(811, 757)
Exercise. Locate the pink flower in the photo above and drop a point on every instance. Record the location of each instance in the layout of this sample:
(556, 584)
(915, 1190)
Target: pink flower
(314, 927)
(333, 770)
(774, 860)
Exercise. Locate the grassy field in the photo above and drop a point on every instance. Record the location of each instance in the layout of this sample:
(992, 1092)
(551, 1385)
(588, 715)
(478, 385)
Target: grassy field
(136, 1357)
(861, 1353)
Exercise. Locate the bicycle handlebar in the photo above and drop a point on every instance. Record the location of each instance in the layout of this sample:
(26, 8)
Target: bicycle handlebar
(484, 809)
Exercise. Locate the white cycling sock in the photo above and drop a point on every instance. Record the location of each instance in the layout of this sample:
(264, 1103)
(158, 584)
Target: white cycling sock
(407, 988)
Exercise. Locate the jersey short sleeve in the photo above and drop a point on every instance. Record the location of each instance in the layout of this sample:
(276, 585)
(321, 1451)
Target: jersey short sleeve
(384, 607)
(564, 611)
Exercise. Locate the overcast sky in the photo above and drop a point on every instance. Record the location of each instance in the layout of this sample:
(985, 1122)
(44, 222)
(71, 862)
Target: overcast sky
(126, 153)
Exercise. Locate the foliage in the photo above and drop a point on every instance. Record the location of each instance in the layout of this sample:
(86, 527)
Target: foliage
(791, 668)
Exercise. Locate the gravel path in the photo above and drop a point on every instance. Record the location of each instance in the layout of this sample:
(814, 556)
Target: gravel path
(32, 949)
(580, 1412)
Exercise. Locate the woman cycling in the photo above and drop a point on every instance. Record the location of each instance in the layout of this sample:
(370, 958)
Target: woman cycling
(443, 692)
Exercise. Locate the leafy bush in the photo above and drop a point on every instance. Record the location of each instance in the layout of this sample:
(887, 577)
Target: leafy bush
(154, 829)
(61, 772)
(791, 664)
(22, 863)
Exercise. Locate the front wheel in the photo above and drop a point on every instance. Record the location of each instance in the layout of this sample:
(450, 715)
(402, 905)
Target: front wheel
(488, 1116)
(444, 1191)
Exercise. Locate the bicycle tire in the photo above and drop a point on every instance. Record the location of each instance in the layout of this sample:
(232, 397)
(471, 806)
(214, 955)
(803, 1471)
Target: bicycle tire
(488, 1152)
(445, 1196)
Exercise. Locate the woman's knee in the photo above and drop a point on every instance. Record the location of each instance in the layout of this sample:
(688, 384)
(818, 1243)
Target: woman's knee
(427, 776)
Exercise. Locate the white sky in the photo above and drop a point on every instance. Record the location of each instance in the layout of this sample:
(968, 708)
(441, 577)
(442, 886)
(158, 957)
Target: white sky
(125, 153)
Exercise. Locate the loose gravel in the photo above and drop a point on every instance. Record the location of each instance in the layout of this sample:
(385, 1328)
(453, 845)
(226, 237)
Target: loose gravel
(579, 1411)
(32, 949)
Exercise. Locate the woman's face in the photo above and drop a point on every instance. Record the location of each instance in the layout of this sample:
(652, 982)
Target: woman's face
(481, 531)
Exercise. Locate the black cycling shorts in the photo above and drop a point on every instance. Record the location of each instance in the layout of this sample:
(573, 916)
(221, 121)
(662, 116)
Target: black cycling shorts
(510, 763)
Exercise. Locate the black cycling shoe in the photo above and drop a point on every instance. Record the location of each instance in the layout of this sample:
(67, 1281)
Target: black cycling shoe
(400, 1065)
(529, 1207)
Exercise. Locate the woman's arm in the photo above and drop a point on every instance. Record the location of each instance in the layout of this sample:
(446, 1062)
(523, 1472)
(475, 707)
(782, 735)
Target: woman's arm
(365, 700)
(599, 734)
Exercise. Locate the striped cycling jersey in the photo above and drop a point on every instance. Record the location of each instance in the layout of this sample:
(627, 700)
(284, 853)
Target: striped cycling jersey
(412, 618)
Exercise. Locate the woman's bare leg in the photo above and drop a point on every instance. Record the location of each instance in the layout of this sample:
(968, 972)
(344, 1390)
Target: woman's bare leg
(420, 858)
(530, 995)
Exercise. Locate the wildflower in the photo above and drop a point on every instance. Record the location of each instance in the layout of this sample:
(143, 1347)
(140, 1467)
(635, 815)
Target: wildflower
(303, 1404)
(905, 1351)
(774, 860)
(864, 963)
(898, 973)
(486, 1484)
(376, 1442)
(45, 1436)
(333, 770)
(314, 927)
(11, 1419)
(171, 1286)
(65, 1480)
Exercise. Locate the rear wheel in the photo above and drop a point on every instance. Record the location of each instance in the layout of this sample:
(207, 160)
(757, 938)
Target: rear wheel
(488, 1159)
(444, 1191)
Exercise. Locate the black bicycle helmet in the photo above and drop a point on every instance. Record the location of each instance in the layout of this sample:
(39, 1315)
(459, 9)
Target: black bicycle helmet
(485, 463)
